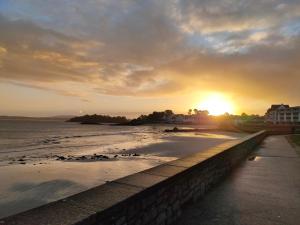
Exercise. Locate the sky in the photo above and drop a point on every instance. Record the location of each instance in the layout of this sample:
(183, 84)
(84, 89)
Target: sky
(71, 57)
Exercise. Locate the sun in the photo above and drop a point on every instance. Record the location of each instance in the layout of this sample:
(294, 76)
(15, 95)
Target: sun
(216, 104)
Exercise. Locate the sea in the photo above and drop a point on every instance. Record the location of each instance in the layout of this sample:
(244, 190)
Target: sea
(31, 174)
(41, 138)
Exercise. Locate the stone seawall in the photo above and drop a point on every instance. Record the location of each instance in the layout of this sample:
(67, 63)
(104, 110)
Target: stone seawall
(154, 196)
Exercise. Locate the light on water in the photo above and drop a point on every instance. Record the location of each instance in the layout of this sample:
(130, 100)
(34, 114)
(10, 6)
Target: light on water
(39, 178)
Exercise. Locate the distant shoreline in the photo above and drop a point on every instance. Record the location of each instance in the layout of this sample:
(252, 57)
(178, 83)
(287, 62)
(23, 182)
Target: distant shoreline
(33, 118)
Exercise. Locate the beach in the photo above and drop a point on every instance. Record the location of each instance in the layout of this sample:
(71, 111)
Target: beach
(45, 160)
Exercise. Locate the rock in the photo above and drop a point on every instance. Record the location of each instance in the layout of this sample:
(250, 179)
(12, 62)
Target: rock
(61, 158)
(135, 154)
(175, 129)
(251, 158)
(101, 157)
(115, 156)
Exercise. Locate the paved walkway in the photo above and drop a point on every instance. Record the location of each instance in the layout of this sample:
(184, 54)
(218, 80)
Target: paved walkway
(265, 191)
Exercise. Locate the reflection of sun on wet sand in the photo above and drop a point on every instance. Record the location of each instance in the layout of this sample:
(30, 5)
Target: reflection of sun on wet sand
(184, 144)
(32, 180)
(28, 186)
(169, 146)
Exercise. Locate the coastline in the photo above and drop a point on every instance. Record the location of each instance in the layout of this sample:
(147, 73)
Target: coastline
(39, 178)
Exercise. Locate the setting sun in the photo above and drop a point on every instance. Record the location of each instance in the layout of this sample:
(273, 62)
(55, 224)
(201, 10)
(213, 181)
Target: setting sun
(216, 104)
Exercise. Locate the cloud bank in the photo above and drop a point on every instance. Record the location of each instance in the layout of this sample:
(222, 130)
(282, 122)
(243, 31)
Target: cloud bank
(152, 48)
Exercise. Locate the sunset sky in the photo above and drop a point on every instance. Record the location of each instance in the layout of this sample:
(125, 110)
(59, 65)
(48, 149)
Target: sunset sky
(128, 57)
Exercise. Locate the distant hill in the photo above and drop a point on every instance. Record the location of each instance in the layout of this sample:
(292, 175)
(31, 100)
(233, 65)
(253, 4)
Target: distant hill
(60, 117)
(98, 119)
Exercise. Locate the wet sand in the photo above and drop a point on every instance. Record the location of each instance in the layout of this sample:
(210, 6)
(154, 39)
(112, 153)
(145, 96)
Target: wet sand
(35, 181)
(28, 186)
(184, 144)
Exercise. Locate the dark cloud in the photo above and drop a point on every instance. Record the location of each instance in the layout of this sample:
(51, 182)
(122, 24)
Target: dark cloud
(144, 48)
(36, 54)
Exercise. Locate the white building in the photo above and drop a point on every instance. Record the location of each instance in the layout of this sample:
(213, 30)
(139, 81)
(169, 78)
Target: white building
(283, 114)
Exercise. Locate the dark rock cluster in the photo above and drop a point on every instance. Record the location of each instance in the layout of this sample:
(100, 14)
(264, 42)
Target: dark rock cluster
(94, 157)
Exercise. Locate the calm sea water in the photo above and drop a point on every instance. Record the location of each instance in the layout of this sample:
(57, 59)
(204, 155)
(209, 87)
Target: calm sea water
(30, 176)
(39, 138)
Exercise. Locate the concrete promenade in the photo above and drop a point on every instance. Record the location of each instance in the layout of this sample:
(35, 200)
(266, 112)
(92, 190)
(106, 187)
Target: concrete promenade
(262, 191)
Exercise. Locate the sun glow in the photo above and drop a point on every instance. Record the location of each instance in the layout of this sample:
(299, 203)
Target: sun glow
(216, 104)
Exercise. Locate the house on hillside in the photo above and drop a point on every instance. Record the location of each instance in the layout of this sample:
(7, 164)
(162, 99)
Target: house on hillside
(281, 114)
